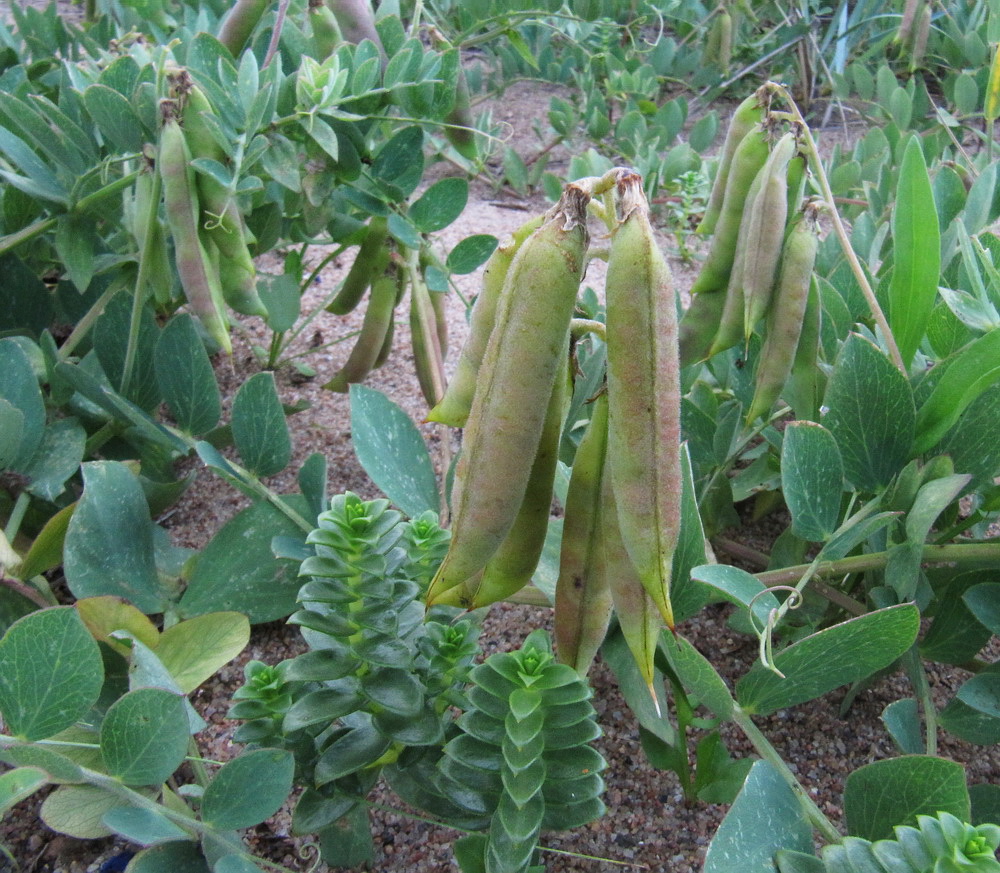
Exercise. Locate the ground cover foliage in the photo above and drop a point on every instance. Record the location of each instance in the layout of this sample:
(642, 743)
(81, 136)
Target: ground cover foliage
(837, 357)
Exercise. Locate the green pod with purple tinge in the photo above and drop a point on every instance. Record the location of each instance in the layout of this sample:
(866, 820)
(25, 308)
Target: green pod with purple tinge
(516, 379)
(643, 395)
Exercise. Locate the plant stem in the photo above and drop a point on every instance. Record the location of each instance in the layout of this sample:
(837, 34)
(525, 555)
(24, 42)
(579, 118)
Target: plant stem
(921, 686)
(841, 231)
(770, 754)
(84, 325)
(25, 590)
(17, 516)
(955, 553)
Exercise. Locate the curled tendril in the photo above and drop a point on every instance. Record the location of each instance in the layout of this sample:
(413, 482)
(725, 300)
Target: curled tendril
(766, 634)
(310, 853)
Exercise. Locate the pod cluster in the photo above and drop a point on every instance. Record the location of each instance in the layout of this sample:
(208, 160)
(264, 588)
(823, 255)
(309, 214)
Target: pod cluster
(758, 271)
(511, 393)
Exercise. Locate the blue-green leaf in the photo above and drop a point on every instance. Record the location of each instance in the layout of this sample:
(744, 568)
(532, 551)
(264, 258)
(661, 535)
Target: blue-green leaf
(259, 427)
(917, 252)
(812, 479)
(393, 453)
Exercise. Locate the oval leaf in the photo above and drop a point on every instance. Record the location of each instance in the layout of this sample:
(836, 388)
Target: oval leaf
(109, 541)
(393, 453)
(185, 377)
(51, 673)
(248, 789)
(144, 736)
(259, 427)
(812, 479)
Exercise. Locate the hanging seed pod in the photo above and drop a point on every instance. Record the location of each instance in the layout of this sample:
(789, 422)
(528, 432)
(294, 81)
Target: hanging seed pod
(765, 231)
(198, 279)
(750, 112)
(516, 380)
(326, 34)
(749, 157)
(784, 322)
(240, 23)
(514, 563)
(369, 263)
(643, 395)
(427, 355)
(454, 407)
(583, 594)
(638, 616)
(370, 341)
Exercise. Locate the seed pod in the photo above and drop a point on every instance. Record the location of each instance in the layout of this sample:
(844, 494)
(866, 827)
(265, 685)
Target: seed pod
(454, 407)
(326, 34)
(750, 112)
(583, 594)
(369, 342)
(725, 25)
(371, 260)
(516, 379)
(638, 617)
(796, 175)
(784, 323)
(921, 34)
(699, 325)
(710, 49)
(991, 107)
(356, 20)
(150, 238)
(427, 354)
(643, 395)
(515, 561)
(199, 281)
(220, 218)
(765, 231)
(804, 387)
(749, 157)
(907, 20)
(240, 23)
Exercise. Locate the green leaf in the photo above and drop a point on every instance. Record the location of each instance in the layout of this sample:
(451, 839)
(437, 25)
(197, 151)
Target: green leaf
(698, 676)
(955, 635)
(75, 243)
(812, 479)
(77, 810)
(323, 705)
(26, 300)
(983, 602)
(195, 649)
(882, 795)
(836, 656)
(916, 252)
(347, 842)
(619, 658)
(16, 785)
(114, 116)
(358, 748)
(236, 571)
(281, 297)
(440, 204)
(144, 736)
(185, 377)
(902, 719)
(403, 231)
(177, 857)
(259, 427)
(798, 862)
(19, 387)
(974, 720)
(57, 767)
(471, 253)
(740, 587)
(392, 452)
(395, 689)
(109, 541)
(985, 800)
(111, 336)
(143, 826)
(765, 817)
(871, 414)
(58, 456)
(967, 375)
(982, 693)
(51, 673)
(400, 162)
(972, 442)
(248, 789)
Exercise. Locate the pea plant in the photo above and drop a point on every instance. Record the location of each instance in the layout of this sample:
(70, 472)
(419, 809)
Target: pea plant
(837, 362)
